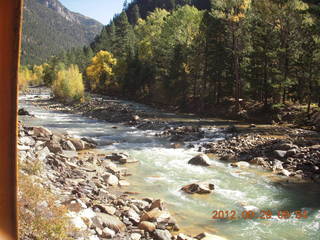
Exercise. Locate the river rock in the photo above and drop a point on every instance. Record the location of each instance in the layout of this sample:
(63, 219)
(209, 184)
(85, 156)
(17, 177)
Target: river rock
(135, 236)
(260, 161)
(67, 145)
(240, 164)
(277, 165)
(147, 226)
(78, 144)
(157, 204)
(182, 236)
(162, 235)
(103, 220)
(23, 112)
(41, 132)
(284, 172)
(207, 236)
(200, 160)
(291, 152)
(108, 233)
(151, 215)
(42, 154)
(200, 188)
(110, 179)
(121, 158)
(89, 140)
(105, 208)
(124, 183)
(54, 147)
(75, 205)
(133, 216)
(28, 141)
(279, 153)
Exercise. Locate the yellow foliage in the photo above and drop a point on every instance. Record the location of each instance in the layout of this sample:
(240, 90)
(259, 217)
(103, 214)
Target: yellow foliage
(68, 86)
(39, 216)
(101, 69)
(28, 77)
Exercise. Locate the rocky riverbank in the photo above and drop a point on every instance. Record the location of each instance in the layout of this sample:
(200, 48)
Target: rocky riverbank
(295, 154)
(92, 188)
(287, 151)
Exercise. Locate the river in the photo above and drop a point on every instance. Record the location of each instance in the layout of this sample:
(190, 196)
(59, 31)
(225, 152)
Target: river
(162, 171)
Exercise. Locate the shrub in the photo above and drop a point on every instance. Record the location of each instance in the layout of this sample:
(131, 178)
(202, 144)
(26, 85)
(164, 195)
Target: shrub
(38, 214)
(68, 85)
(32, 77)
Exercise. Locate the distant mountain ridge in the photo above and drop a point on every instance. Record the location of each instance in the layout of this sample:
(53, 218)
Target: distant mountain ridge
(49, 27)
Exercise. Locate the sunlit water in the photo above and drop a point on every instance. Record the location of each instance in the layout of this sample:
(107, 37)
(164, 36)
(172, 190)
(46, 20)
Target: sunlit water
(162, 171)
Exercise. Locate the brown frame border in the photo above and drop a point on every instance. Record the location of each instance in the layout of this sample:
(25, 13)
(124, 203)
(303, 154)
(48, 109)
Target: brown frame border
(10, 40)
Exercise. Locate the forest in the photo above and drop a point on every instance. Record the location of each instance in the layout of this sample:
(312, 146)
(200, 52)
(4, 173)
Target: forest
(195, 55)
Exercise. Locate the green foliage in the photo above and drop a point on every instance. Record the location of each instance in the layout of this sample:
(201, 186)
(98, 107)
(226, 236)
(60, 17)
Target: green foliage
(266, 51)
(68, 85)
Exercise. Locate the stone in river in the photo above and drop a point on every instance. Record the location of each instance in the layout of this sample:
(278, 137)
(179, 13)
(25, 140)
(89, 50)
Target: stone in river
(200, 160)
(200, 188)
(111, 179)
(241, 164)
(181, 236)
(123, 183)
(207, 236)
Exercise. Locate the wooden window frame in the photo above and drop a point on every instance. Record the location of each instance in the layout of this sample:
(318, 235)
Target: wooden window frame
(10, 41)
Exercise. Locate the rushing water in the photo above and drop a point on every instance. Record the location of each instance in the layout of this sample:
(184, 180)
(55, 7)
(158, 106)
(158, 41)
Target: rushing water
(162, 171)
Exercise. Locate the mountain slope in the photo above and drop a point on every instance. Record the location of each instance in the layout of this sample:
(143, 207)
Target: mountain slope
(49, 27)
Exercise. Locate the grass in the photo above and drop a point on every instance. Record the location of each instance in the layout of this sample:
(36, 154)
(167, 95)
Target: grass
(39, 215)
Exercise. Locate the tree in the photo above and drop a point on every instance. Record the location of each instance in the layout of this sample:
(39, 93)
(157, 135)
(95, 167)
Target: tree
(68, 86)
(100, 72)
(234, 13)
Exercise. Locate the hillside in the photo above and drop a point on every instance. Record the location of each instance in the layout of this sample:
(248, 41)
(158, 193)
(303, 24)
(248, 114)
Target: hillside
(49, 27)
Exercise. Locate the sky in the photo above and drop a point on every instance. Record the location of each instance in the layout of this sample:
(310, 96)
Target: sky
(101, 10)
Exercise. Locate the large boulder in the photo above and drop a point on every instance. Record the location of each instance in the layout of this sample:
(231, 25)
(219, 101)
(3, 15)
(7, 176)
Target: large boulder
(78, 144)
(54, 147)
(200, 160)
(41, 132)
(68, 145)
(199, 188)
